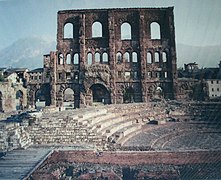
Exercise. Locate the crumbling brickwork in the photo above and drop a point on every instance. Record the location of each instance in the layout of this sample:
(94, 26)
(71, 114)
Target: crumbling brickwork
(113, 56)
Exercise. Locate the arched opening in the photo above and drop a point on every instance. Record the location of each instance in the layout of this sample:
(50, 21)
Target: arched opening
(76, 58)
(157, 57)
(68, 97)
(105, 57)
(68, 30)
(128, 96)
(100, 94)
(127, 57)
(89, 58)
(68, 59)
(149, 58)
(97, 29)
(40, 100)
(1, 103)
(97, 57)
(125, 31)
(19, 100)
(119, 57)
(155, 30)
(134, 57)
(164, 57)
(158, 94)
(60, 59)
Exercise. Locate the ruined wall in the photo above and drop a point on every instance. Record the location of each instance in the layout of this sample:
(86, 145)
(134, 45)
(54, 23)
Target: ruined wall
(132, 75)
(12, 97)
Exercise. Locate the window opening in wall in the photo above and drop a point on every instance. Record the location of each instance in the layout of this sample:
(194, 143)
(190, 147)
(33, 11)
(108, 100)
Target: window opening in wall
(157, 74)
(119, 73)
(129, 95)
(105, 57)
(217, 82)
(60, 76)
(68, 76)
(212, 89)
(127, 74)
(97, 57)
(76, 75)
(217, 89)
(165, 74)
(125, 31)
(148, 74)
(68, 30)
(68, 59)
(164, 56)
(134, 57)
(60, 59)
(76, 58)
(97, 29)
(149, 58)
(89, 58)
(119, 57)
(211, 82)
(127, 57)
(135, 75)
(39, 77)
(155, 30)
(157, 57)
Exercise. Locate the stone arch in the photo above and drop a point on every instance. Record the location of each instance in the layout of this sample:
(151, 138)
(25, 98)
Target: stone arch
(68, 30)
(89, 58)
(155, 30)
(125, 31)
(76, 58)
(149, 57)
(68, 58)
(97, 57)
(40, 99)
(68, 95)
(96, 29)
(127, 57)
(164, 56)
(19, 100)
(156, 57)
(60, 58)
(128, 95)
(100, 94)
(119, 57)
(1, 102)
(105, 57)
(134, 57)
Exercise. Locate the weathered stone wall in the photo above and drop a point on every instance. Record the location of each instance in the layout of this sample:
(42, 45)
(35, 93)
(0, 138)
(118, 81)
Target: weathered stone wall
(9, 102)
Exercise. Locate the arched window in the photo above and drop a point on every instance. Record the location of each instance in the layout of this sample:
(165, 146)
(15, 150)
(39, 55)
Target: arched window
(164, 57)
(149, 58)
(97, 29)
(125, 31)
(155, 30)
(68, 30)
(119, 57)
(68, 59)
(60, 59)
(97, 57)
(157, 57)
(105, 57)
(68, 95)
(89, 58)
(76, 58)
(134, 57)
(127, 57)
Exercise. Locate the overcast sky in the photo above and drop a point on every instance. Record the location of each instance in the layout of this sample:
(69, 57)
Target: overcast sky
(197, 22)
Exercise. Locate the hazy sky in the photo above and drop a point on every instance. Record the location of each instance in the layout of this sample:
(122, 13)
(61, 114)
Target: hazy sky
(197, 22)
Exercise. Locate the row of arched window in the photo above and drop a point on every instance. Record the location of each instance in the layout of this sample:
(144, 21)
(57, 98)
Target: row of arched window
(155, 57)
(68, 59)
(126, 32)
(126, 57)
(97, 58)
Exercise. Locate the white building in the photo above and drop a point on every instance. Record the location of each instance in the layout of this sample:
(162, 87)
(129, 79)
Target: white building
(214, 88)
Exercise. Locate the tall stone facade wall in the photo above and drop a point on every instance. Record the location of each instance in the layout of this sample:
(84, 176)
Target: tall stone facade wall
(119, 70)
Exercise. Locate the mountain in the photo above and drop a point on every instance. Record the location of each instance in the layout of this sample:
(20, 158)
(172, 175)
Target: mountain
(205, 56)
(26, 52)
(29, 53)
